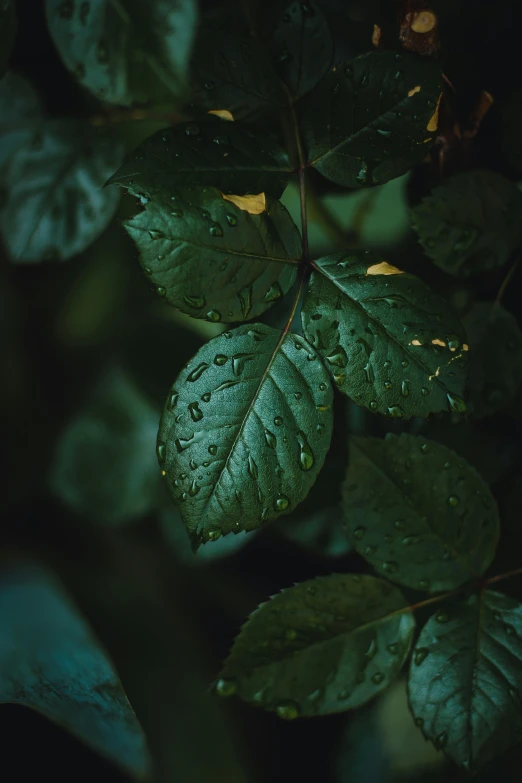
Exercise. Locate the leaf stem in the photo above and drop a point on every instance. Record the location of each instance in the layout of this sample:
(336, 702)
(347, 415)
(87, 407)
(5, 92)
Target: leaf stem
(506, 575)
(302, 180)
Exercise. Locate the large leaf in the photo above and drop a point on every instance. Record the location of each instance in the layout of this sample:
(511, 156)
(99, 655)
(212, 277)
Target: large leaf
(105, 464)
(214, 152)
(213, 259)
(304, 47)
(245, 430)
(389, 342)
(55, 203)
(234, 74)
(372, 118)
(51, 661)
(322, 646)
(7, 32)
(20, 115)
(471, 223)
(418, 512)
(125, 51)
(465, 683)
(495, 370)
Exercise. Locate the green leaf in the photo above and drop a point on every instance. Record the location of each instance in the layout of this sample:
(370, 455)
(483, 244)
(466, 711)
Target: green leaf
(245, 430)
(210, 258)
(418, 512)
(471, 223)
(55, 206)
(8, 27)
(304, 47)
(223, 154)
(125, 51)
(105, 465)
(233, 73)
(367, 122)
(465, 682)
(51, 662)
(175, 536)
(495, 370)
(389, 342)
(320, 532)
(20, 115)
(327, 645)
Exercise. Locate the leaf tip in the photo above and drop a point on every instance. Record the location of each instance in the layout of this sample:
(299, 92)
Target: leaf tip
(434, 120)
(223, 114)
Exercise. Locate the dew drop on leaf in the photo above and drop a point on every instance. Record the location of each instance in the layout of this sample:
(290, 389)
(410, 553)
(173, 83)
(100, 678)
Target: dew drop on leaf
(288, 710)
(226, 687)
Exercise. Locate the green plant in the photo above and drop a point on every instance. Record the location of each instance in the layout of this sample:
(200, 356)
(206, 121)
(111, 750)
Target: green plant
(248, 422)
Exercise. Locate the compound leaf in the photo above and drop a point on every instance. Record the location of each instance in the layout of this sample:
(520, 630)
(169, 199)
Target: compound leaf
(125, 51)
(495, 368)
(51, 662)
(55, 203)
(372, 118)
(327, 645)
(304, 47)
(224, 154)
(213, 259)
(418, 512)
(465, 682)
(245, 430)
(389, 342)
(471, 223)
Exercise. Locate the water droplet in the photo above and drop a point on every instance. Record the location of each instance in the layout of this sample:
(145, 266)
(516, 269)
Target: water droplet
(441, 739)
(363, 173)
(226, 687)
(214, 534)
(173, 399)
(453, 501)
(442, 616)
(387, 364)
(245, 300)
(288, 710)
(215, 230)
(196, 374)
(290, 634)
(338, 358)
(322, 387)
(411, 540)
(395, 412)
(212, 450)
(231, 219)
(387, 384)
(404, 389)
(373, 405)
(281, 503)
(161, 451)
(206, 397)
(209, 86)
(424, 392)
(390, 567)
(274, 293)
(424, 448)
(252, 467)
(372, 650)
(420, 655)
(270, 439)
(220, 359)
(393, 648)
(194, 489)
(161, 291)
(370, 550)
(359, 532)
(195, 411)
(306, 455)
(424, 584)
(192, 130)
(377, 678)
(196, 302)
(399, 524)
(456, 404)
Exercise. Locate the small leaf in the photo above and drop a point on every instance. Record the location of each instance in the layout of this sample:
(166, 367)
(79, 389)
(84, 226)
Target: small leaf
(234, 73)
(495, 371)
(254, 204)
(367, 121)
(105, 465)
(471, 223)
(55, 203)
(20, 115)
(228, 156)
(465, 684)
(125, 52)
(213, 260)
(51, 662)
(245, 430)
(304, 47)
(389, 342)
(323, 646)
(8, 27)
(418, 512)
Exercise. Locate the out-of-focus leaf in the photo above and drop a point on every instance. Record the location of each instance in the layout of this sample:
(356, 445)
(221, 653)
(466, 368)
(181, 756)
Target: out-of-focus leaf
(175, 535)
(322, 646)
(105, 466)
(51, 662)
(125, 51)
(20, 115)
(321, 531)
(55, 205)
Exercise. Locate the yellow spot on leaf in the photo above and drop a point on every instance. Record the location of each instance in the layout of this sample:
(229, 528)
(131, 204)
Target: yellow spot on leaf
(465, 347)
(383, 269)
(439, 342)
(254, 204)
(415, 90)
(433, 124)
(423, 22)
(323, 408)
(435, 375)
(415, 342)
(223, 113)
(376, 36)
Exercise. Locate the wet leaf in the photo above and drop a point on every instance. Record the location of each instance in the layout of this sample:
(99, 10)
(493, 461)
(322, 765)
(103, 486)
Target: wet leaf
(20, 115)
(55, 203)
(7, 32)
(495, 370)
(226, 155)
(418, 512)
(213, 260)
(245, 430)
(234, 73)
(51, 662)
(465, 682)
(327, 645)
(304, 47)
(367, 121)
(127, 51)
(389, 342)
(105, 465)
(471, 223)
